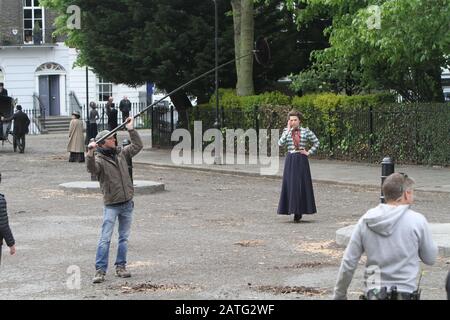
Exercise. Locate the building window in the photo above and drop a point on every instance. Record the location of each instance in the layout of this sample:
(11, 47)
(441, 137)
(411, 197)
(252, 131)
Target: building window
(104, 89)
(50, 67)
(33, 20)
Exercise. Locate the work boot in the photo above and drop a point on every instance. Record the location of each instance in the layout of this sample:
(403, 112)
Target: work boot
(99, 276)
(297, 217)
(122, 272)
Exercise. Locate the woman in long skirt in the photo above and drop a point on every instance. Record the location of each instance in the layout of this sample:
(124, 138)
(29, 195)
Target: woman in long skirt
(76, 139)
(297, 194)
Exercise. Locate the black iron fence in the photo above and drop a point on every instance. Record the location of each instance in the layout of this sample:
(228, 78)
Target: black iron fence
(409, 133)
(164, 120)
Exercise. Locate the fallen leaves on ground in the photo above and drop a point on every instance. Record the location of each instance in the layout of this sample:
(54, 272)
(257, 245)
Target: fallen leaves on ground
(249, 243)
(328, 248)
(150, 287)
(313, 264)
(308, 291)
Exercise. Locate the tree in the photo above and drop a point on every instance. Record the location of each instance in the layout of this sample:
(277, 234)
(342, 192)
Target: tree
(290, 48)
(397, 45)
(243, 42)
(168, 42)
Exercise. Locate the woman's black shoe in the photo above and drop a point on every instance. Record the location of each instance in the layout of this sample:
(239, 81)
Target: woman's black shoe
(297, 217)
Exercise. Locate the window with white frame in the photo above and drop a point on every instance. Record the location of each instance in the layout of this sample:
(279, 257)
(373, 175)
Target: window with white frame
(104, 89)
(33, 21)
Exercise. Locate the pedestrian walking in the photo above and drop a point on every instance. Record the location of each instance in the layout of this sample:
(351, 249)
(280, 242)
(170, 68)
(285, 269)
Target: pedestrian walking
(76, 139)
(21, 124)
(110, 165)
(125, 107)
(111, 112)
(3, 91)
(395, 240)
(5, 230)
(297, 194)
(93, 117)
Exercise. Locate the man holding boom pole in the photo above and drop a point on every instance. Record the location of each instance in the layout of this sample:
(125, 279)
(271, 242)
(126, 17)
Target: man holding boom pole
(109, 164)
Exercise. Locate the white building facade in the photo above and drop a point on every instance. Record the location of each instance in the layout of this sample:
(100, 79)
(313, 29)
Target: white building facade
(38, 69)
(48, 72)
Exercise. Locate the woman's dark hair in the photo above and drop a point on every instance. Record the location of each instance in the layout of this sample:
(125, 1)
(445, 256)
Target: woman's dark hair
(295, 113)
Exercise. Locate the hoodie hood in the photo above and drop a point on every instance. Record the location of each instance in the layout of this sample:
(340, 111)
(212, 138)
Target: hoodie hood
(383, 218)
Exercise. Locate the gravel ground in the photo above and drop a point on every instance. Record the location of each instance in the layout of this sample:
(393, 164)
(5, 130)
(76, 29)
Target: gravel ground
(208, 236)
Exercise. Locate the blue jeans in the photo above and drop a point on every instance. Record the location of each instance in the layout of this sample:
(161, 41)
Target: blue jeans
(123, 213)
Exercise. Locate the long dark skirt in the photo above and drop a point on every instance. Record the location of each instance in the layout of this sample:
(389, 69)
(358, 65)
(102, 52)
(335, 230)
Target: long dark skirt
(297, 194)
(76, 157)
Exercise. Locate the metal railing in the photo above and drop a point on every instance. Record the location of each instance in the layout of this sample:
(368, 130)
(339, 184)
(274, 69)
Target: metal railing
(39, 107)
(74, 103)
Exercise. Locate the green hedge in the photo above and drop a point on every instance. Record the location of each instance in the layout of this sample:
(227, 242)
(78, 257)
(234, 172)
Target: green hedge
(409, 133)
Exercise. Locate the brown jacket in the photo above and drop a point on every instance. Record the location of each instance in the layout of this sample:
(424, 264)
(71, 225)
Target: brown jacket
(115, 181)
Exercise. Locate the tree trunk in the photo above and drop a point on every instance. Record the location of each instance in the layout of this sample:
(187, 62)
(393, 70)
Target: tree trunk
(236, 6)
(244, 37)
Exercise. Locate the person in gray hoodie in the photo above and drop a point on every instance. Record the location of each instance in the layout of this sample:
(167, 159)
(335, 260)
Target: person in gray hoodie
(395, 240)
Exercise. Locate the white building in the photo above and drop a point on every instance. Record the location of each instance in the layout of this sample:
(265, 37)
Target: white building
(38, 69)
(47, 72)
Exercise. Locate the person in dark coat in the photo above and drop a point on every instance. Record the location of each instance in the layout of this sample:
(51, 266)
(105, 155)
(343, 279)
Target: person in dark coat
(125, 108)
(5, 230)
(93, 117)
(111, 112)
(21, 123)
(3, 91)
(297, 194)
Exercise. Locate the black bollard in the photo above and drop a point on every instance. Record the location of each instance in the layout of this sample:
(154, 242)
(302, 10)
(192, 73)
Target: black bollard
(125, 143)
(387, 168)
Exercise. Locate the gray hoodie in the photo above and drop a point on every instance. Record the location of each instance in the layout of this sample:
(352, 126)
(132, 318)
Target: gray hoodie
(395, 239)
